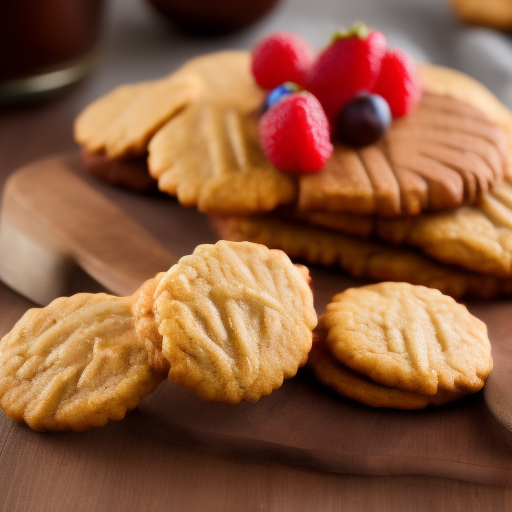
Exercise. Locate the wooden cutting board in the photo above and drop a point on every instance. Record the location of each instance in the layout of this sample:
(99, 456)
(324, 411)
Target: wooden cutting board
(55, 218)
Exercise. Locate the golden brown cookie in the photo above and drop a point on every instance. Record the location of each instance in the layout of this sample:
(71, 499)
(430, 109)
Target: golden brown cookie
(209, 154)
(236, 319)
(410, 337)
(75, 364)
(200, 127)
(356, 386)
(493, 13)
(478, 237)
(359, 257)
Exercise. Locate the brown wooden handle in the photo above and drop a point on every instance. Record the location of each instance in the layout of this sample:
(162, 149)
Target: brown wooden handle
(53, 208)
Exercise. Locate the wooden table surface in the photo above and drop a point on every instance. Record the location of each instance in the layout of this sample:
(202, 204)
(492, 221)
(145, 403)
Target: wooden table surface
(118, 467)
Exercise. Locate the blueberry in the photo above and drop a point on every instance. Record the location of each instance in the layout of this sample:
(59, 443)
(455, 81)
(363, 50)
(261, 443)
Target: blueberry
(363, 120)
(278, 93)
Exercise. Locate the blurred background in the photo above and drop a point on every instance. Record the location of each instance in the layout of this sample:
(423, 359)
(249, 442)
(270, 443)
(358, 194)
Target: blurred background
(121, 41)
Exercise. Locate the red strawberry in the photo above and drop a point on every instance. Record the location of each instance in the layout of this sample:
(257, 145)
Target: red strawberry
(295, 135)
(281, 57)
(348, 66)
(398, 82)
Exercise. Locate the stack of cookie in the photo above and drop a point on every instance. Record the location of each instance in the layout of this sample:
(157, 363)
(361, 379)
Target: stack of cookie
(401, 346)
(429, 203)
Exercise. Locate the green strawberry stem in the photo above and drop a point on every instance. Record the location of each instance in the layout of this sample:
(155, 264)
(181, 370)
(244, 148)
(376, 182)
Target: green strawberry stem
(358, 29)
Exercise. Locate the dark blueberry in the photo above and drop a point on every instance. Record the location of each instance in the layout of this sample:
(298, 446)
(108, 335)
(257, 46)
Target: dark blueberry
(278, 93)
(363, 120)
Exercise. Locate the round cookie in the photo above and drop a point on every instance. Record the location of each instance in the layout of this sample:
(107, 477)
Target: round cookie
(74, 364)
(356, 386)
(410, 337)
(236, 319)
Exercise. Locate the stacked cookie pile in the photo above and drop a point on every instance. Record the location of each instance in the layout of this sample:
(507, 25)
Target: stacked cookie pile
(428, 202)
(401, 346)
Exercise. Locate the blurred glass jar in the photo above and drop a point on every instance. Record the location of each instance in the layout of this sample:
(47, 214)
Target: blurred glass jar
(46, 45)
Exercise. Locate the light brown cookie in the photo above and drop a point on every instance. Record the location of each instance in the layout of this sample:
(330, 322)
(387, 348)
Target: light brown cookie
(410, 337)
(121, 123)
(209, 154)
(75, 364)
(478, 237)
(356, 386)
(236, 319)
(493, 13)
(359, 257)
(200, 127)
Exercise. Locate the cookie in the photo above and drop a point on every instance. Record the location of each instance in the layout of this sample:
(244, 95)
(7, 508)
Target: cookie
(75, 364)
(200, 128)
(478, 238)
(492, 13)
(236, 319)
(121, 123)
(444, 154)
(410, 337)
(360, 257)
(356, 386)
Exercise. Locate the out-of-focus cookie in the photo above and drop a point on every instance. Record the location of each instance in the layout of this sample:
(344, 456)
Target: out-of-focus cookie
(359, 257)
(236, 319)
(493, 13)
(410, 337)
(75, 364)
(478, 237)
(356, 386)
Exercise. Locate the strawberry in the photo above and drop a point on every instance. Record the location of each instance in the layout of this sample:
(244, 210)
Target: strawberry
(281, 57)
(349, 65)
(398, 82)
(295, 135)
